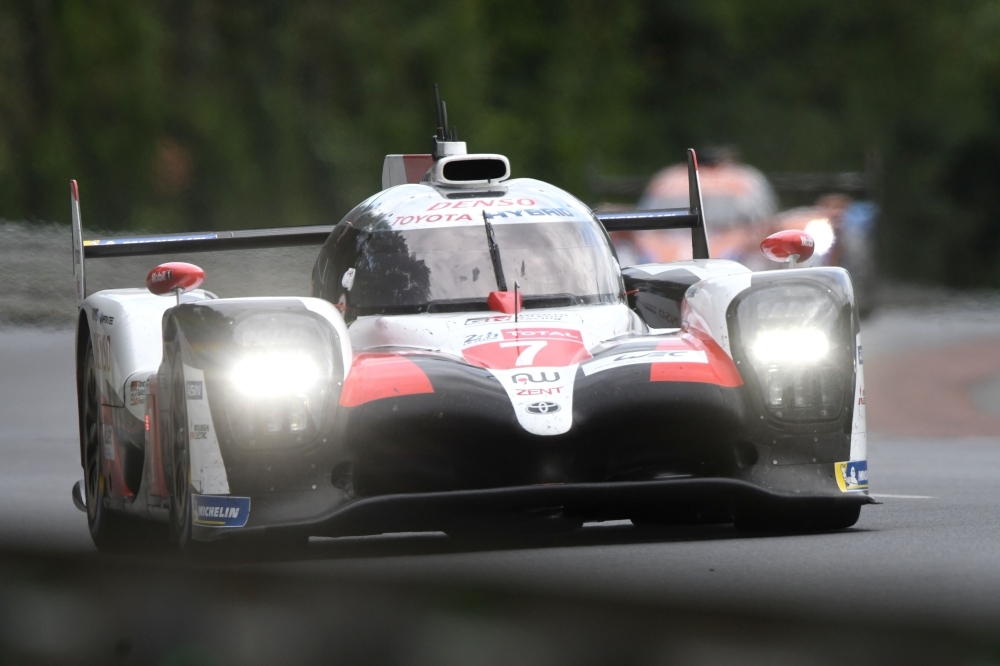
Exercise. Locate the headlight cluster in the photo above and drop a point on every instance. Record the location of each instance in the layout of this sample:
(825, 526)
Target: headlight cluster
(279, 378)
(794, 341)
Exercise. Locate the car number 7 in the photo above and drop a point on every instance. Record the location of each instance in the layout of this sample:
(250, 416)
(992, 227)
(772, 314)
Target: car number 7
(526, 357)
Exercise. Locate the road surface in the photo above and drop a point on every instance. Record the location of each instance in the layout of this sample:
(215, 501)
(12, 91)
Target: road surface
(930, 552)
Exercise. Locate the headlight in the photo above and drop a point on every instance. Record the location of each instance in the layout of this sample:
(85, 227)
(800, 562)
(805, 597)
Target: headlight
(794, 340)
(272, 374)
(279, 377)
(794, 346)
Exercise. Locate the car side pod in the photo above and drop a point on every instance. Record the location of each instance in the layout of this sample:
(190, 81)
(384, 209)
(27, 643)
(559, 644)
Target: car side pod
(789, 246)
(175, 277)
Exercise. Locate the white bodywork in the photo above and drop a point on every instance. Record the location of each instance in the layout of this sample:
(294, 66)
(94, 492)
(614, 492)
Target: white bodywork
(126, 332)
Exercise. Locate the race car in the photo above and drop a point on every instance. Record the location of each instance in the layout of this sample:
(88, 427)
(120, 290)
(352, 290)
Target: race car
(472, 359)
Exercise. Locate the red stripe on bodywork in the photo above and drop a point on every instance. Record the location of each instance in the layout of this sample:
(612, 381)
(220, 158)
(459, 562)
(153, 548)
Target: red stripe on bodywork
(112, 468)
(719, 370)
(377, 376)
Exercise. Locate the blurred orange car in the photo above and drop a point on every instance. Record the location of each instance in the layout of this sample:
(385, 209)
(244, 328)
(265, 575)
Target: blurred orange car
(741, 209)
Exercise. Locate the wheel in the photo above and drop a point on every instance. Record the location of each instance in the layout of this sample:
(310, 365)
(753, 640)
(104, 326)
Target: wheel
(798, 519)
(180, 496)
(109, 530)
(181, 525)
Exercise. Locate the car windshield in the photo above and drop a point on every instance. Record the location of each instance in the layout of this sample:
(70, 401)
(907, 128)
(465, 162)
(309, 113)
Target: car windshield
(445, 269)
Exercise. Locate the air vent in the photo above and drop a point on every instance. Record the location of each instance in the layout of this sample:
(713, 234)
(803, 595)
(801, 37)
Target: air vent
(466, 170)
(470, 170)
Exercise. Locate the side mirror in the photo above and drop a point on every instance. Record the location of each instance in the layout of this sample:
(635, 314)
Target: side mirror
(791, 246)
(175, 277)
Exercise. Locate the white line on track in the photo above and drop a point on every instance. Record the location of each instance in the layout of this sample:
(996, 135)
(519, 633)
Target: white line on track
(904, 496)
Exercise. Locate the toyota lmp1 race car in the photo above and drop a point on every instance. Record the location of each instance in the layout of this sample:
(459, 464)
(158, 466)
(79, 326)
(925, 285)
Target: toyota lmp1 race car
(472, 358)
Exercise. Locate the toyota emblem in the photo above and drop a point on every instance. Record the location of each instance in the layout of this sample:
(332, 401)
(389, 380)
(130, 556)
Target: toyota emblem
(542, 408)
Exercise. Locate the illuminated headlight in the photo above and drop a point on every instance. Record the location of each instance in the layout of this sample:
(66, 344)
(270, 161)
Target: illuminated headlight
(798, 350)
(796, 346)
(275, 374)
(280, 378)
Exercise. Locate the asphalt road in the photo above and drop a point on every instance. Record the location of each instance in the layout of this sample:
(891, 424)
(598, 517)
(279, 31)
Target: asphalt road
(930, 552)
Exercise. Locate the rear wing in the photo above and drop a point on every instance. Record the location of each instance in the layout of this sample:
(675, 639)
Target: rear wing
(692, 217)
(203, 241)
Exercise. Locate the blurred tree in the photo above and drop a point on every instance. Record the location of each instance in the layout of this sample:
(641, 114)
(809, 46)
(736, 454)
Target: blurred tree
(184, 114)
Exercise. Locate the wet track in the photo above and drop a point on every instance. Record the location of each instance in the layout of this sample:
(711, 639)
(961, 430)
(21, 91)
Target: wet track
(931, 551)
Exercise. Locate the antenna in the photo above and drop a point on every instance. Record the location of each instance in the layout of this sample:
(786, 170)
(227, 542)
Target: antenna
(442, 114)
(445, 140)
(517, 302)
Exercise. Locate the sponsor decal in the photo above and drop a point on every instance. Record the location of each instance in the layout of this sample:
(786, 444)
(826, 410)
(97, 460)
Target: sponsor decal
(481, 203)
(477, 338)
(200, 431)
(526, 347)
(861, 360)
(851, 475)
(525, 377)
(528, 212)
(638, 357)
(404, 220)
(108, 442)
(94, 312)
(542, 333)
(523, 316)
(136, 393)
(105, 319)
(162, 276)
(555, 390)
(219, 511)
(102, 352)
(194, 390)
(347, 282)
(542, 408)
(861, 398)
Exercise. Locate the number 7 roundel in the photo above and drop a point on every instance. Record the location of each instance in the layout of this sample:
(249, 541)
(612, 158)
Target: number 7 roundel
(529, 347)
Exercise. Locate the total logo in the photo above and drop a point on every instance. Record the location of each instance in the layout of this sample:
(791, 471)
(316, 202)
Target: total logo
(542, 408)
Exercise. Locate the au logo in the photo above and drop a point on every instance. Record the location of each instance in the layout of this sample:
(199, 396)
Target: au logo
(852, 475)
(525, 377)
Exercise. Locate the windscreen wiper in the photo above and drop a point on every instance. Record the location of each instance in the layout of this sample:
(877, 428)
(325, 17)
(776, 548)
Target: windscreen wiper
(495, 254)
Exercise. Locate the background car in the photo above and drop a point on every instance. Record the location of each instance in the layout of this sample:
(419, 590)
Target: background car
(742, 206)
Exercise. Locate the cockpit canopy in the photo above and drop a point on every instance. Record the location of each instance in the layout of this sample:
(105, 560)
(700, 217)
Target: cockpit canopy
(381, 263)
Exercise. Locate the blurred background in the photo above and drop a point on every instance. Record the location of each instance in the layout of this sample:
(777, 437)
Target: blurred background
(204, 114)
(182, 115)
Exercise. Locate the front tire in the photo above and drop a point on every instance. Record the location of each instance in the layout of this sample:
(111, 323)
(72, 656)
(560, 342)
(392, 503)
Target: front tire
(110, 531)
(180, 496)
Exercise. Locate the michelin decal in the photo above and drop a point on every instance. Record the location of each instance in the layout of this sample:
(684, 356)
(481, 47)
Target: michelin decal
(219, 511)
(852, 475)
